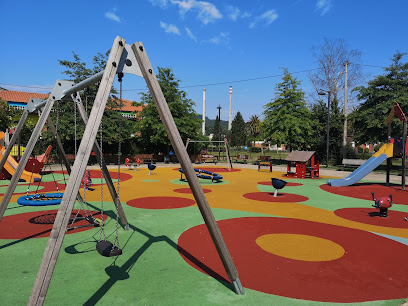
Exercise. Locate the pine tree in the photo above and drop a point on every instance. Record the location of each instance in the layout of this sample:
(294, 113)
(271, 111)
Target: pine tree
(238, 136)
(287, 120)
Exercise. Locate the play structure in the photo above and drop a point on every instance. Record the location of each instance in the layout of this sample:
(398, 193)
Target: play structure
(204, 174)
(123, 58)
(151, 167)
(41, 199)
(395, 148)
(278, 184)
(9, 164)
(209, 156)
(305, 163)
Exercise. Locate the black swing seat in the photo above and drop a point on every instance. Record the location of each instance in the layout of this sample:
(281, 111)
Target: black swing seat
(107, 249)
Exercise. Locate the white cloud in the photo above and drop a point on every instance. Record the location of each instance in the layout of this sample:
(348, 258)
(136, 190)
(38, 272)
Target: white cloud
(207, 12)
(222, 38)
(112, 16)
(190, 34)
(161, 3)
(266, 19)
(323, 6)
(233, 12)
(169, 28)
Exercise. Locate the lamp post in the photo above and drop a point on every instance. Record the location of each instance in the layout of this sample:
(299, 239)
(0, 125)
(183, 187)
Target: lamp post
(323, 93)
(219, 131)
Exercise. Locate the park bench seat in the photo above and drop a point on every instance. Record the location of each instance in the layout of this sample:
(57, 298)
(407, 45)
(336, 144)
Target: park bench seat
(241, 158)
(208, 158)
(353, 162)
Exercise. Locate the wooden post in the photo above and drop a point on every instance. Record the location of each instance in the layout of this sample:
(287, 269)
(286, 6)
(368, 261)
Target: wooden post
(49, 260)
(104, 169)
(178, 146)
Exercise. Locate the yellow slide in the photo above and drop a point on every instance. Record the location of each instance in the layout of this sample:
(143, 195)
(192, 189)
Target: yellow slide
(388, 149)
(11, 166)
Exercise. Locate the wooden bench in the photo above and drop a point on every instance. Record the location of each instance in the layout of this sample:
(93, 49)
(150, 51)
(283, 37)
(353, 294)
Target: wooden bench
(241, 158)
(145, 158)
(353, 162)
(208, 158)
(263, 159)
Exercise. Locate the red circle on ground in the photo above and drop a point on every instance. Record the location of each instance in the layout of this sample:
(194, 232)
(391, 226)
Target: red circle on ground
(214, 169)
(188, 190)
(160, 202)
(36, 224)
(289, 184)
(371, 216)
(96, 174)
(363, 191)
(268, 197)
(359, 275)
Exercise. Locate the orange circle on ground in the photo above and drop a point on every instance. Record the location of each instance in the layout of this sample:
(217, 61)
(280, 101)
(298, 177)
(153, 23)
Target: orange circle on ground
(300, 247)
(268, 197)
(160, 202)
(188, 190)
(371, 216)
(37, 224)
(370, 261)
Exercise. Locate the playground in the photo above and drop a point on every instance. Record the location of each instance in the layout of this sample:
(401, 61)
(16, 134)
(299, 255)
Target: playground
(312, 243)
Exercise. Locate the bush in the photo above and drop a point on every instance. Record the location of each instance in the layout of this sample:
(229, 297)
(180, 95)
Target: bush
(255, 149)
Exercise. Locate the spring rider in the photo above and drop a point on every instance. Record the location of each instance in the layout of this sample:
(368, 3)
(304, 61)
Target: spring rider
(383, 203)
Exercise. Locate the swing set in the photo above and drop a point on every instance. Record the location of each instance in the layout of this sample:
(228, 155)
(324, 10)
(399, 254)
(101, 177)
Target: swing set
(123, 58)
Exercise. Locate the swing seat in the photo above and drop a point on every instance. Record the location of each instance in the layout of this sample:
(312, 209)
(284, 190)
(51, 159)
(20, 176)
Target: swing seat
(107, 249)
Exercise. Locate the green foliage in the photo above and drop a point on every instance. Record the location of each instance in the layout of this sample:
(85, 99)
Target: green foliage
(378, 99)
(254, 126)
(153, 137)
(287, 120)
(319, 141)
(238, 135)
(6, 115)
(66, 114)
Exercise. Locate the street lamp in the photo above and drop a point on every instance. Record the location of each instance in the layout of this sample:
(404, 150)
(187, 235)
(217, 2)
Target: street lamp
(323, 93)
(219, 131)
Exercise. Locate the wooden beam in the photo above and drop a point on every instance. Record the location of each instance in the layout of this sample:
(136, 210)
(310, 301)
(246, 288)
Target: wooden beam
(178, 146)
(49, 260)
(104, 169)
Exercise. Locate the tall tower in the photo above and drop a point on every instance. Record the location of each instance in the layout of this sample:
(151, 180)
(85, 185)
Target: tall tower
(230, 109)
(203, 112)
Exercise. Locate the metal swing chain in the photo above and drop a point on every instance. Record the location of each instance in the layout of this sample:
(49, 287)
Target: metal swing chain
(102, 231)
(120, 77)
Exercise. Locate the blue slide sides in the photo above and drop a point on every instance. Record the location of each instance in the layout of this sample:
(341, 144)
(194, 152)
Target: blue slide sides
(360, 172)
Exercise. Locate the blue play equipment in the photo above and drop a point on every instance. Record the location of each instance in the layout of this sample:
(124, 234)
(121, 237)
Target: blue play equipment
(201, 174)
(41, 199)
(151, 167)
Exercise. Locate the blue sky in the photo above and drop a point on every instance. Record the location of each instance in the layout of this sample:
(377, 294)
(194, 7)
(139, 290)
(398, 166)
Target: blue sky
(204, 42)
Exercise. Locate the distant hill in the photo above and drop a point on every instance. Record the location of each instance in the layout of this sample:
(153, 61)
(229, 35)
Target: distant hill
(209, 124)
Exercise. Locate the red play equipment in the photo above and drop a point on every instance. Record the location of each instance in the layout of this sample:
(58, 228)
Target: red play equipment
(383, 203)
(305, 162)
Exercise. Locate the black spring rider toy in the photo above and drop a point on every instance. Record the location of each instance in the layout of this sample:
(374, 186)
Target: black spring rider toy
(383, 203)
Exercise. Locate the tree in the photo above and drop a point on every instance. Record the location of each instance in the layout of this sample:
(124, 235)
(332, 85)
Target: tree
(6, 115)
(378, 98)
(66, 113)
(153, 137)
(238, 135)
(287, 119)
(254, 126)
(329, 75)
(216, 129)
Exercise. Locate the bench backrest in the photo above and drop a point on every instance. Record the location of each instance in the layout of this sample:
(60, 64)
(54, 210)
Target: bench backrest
(353, 161)
(242, 156)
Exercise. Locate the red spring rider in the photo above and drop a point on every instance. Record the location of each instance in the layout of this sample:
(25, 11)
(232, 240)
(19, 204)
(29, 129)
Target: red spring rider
(86, 180)
(383, 203)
